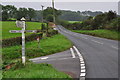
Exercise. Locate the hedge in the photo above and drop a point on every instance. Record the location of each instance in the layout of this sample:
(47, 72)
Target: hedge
(18, 40)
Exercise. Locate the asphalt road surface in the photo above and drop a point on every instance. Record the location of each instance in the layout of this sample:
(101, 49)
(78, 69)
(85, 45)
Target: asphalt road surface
(101, 55)
(62, 61)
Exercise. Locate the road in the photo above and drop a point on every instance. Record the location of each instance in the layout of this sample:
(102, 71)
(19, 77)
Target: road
(101, 55)
(62, 61)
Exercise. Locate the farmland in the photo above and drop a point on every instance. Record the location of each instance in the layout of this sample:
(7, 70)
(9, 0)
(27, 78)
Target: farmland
(8, 25)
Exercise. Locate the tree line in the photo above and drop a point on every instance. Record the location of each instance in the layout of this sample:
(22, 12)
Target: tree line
(108, 20)
(11, 12)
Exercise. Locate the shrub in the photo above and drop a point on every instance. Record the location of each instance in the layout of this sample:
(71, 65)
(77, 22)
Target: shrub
(18, 40)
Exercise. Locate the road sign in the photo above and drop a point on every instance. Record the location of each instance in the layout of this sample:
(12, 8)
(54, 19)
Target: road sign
(20, 31)
(19, 24)
(22, 25)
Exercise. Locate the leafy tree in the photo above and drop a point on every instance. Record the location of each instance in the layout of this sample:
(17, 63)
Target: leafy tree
(22, 12)
(31, 13)
(47, 13)
(8, 11)
(5, 15)
(49, 18)
(110, 15)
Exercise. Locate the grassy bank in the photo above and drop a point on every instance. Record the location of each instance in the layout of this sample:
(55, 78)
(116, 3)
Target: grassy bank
(32, 70)
(9, 25)
(48, 46)
(101, 33)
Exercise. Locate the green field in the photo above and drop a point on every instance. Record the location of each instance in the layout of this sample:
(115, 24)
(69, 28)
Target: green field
(101, 33)
(32, 70)
(9, 25)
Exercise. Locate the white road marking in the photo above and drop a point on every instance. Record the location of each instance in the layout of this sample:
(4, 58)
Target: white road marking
(83, 71)
(44, 58)
(97, 42)
(77, 51)
(82, 74)
(72, 52)
(114, 47)
(82, 67)
(38, 58)
(82, 64)
(34, 59)
(52, 59)
(82, 78)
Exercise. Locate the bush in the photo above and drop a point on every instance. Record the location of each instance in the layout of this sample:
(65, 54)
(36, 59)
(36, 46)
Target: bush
(18, 40)
(52, 32)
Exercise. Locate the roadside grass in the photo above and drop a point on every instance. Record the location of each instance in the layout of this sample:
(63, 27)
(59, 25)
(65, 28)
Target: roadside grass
(50, 45)
(109, 34)
(75, 22)
(32, 70)
(9, 25)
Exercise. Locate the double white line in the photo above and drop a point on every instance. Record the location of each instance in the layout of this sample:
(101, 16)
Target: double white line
(82, 62)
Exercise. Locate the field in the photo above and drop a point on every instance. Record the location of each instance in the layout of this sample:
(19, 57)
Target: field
(35, 71)
(101, 33)
(8, 25)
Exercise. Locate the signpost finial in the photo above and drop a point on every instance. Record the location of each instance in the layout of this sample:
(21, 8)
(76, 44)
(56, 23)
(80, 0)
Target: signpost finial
(22, 19)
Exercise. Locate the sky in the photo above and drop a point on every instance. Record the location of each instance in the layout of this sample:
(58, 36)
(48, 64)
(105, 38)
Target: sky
(74, 5)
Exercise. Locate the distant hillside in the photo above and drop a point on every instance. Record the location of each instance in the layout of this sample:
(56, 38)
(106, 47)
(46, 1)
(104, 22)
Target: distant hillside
(77, 16)
(90, 13)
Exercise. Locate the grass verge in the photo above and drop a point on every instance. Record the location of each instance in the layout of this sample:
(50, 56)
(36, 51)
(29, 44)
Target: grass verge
(114, 35)
(48, 46)
(32, 70)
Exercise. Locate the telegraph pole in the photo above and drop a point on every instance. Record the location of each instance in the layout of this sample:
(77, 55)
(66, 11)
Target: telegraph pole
(42, 13)
(53, 11)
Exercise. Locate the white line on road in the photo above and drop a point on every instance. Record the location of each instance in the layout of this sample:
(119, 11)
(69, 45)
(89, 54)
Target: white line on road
(82, 65)
(82, 74)
(77, 51)
(38, 58)
(44, 58)
(72, 52)
(114, 47)
(97, 42)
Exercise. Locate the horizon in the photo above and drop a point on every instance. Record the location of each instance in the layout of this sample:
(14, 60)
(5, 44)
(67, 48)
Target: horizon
(76, 6)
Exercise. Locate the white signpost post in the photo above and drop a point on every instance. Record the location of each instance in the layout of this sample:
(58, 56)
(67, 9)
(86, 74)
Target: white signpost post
(22, 25)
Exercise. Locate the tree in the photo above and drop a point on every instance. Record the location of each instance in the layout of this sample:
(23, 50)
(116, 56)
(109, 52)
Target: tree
(22, 12)
(49, 13)
(31, 13)
(110, 15)
(49, 18)
(8, 11)
(5, 16)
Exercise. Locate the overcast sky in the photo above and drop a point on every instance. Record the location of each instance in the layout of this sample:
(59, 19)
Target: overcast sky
(74, 5)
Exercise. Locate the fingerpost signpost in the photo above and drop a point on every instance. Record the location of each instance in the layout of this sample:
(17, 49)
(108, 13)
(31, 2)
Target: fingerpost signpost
(23, 31)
